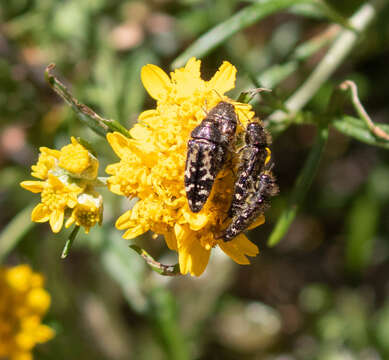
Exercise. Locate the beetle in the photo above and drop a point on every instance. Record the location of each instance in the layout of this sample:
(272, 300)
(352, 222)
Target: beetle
(207, 152)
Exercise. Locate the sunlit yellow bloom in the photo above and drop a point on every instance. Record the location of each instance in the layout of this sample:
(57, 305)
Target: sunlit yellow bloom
(67, 174)
(78, 161)
(152, 164)
(56, 197)
(48, 159)
(88, 211)
(23, 303)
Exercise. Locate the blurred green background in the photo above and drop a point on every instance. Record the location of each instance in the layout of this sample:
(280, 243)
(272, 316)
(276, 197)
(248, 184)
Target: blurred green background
(321, 293)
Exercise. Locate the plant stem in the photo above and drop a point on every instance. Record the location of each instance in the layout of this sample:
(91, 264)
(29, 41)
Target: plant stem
(300, 188)
(162, 269)
(334, 57)
(350, 85)
(69, 242)
(97, 123)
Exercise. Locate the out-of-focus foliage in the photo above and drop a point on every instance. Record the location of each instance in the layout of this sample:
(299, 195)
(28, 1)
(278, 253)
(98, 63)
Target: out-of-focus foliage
(321, 293)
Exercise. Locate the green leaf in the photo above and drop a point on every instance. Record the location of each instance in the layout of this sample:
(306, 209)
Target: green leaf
(14, 231)
(242, 19)
(97, 123)
(362, 225)
(164, 315)
(300, 188)
(356, 128)
(126, 268)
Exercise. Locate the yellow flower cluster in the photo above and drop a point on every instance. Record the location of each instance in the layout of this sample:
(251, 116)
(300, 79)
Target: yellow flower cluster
(23, 303)
(152, 165)
(67, 187)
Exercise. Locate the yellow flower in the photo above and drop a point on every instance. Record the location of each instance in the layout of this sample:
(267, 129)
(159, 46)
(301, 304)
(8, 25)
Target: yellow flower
(67, 174)
(56, 197)
(23, 303)
(152, 164)
(78, 161)
(48, 159)
(88, 211)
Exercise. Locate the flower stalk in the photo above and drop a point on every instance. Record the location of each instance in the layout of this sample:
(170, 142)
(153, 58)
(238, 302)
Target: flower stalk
(300, 188)
(97, 123)
(69, 242)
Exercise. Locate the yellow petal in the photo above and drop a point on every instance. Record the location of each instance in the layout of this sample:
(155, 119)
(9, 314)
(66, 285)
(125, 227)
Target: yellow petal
(233, 252)
(192, 67)
(180, 232)
(171, 240)
(124, 221)
(69, 222)
(196, 221)
(55, 182)
(135, 231)
(238, 248)
(149, 117)
(156, 82)
(192, 257)
(22, 355)
(40, 213)
(56, 220)
(119, 143)
(38, 300)
(187, 80)
(259, 221)
(33, 186)
(224, 79)
(246, 246)
(43, 333)
(268, 157)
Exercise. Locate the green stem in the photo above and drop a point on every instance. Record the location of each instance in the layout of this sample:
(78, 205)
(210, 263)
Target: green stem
(240, 20)
(97, 123)
(162, 269)
(331, 61)
(247, 96)
(300, 188)
(350, 85)
(275, 74)
(69, 242)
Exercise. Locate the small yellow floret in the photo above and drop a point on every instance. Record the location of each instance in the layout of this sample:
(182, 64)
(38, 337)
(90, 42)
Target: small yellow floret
(67, 174)
(23, 302)
(78, 160)
(88, 211)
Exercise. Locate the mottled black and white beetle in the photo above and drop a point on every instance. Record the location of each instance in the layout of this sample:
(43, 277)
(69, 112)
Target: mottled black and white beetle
(251, 162)
(255, 204)
(207, 152)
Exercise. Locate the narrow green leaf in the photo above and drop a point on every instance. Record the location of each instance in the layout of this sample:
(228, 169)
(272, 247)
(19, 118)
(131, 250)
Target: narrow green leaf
(275, 74)
(14, 231)
(242, 19)
(125, 267)
(133, 91)
(333, 15)
(163, 314)
(355, 128)
(362, 225)
(300, 189)
(100, 125)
